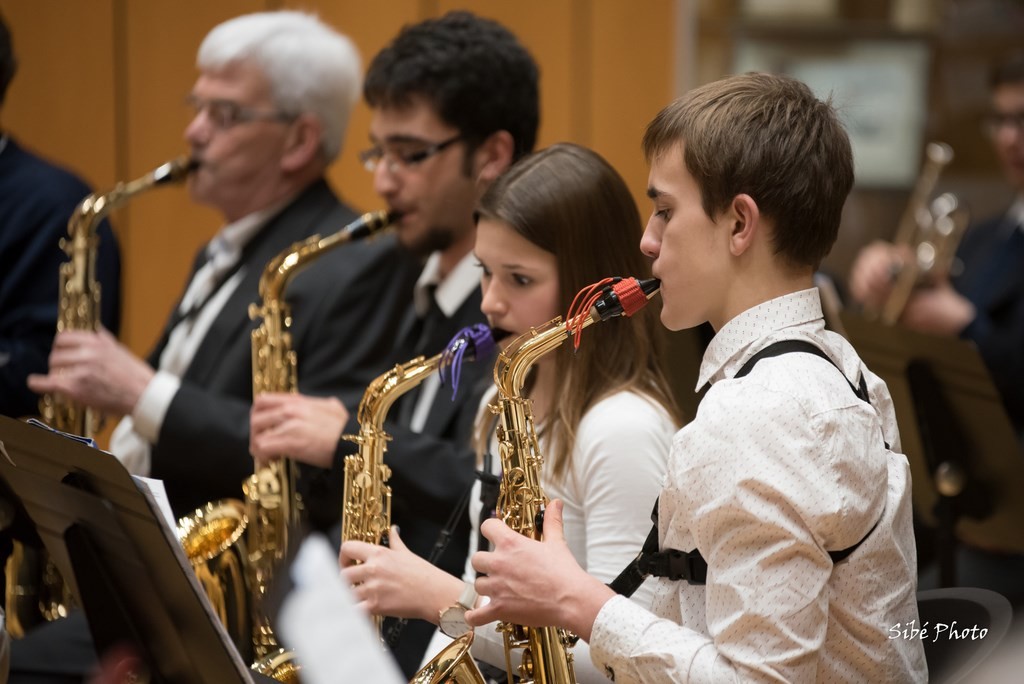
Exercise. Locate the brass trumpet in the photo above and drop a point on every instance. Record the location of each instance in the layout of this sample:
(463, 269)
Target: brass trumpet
(930, 228)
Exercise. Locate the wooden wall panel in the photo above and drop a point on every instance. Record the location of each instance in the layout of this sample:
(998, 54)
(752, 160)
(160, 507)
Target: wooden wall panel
(631, 65)
(102, 82)
(61, 100)
(163, 228)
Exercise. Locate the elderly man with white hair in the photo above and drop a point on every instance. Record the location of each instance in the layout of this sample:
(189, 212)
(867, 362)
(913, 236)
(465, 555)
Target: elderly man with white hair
(271, 103)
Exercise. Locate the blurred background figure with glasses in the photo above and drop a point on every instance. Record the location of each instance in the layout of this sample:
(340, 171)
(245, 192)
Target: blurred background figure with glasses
(981, 300)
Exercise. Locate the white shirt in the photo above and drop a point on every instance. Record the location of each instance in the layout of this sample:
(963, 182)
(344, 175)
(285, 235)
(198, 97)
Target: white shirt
(132, 438)
(618, 467)
(450, 294)
(777, 469)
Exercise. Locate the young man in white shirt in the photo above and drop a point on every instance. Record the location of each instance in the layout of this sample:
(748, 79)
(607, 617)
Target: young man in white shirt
(785, 494)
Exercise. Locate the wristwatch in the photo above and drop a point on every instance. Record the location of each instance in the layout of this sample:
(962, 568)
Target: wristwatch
(452, 620)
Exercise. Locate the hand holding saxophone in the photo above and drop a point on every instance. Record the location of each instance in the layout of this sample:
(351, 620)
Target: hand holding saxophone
(306, 428)
(519, 579)
(392, 580)
(95, 370)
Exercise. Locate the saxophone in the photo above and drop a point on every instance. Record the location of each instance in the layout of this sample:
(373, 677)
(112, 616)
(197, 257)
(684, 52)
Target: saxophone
(546, 656)
(366, 513)
(35, 589)
(79, 307)
(931, 229)
(233, 545)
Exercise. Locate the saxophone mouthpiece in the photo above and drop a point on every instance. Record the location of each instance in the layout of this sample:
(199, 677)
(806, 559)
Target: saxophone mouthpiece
(369, 223)
(624, 297)
(175, 170)
(606, 299)
(469, 344)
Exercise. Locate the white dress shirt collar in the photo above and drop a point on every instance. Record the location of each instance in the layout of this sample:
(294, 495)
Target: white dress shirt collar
(451, 292)
(725, 354)
(223, 251)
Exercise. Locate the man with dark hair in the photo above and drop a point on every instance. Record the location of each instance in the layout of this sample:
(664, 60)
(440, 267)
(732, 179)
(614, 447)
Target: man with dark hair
(784, 549)
(454, 103)
(450, 62)
(36, 200)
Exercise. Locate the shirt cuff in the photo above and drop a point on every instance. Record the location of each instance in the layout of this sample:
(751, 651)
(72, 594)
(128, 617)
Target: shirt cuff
(151, 409)
(616, 633)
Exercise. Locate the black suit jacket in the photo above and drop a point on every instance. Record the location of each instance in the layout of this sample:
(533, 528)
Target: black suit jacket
(433, 470)
(998, 329)
(346, 307)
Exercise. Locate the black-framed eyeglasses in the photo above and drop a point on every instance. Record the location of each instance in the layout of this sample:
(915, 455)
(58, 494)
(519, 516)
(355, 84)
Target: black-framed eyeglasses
(415, 152)
(996, 121)
(226, 113)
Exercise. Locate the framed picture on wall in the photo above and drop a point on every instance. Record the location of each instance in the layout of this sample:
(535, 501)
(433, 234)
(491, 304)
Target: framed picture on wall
(878, 85)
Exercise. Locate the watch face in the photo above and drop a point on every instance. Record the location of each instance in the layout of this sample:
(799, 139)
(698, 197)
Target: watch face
(453, 622)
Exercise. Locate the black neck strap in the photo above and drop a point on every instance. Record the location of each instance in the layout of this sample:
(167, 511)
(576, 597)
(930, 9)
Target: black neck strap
(690, 566)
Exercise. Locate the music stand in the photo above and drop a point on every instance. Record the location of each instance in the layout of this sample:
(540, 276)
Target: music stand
(123, 563)
(964, 456)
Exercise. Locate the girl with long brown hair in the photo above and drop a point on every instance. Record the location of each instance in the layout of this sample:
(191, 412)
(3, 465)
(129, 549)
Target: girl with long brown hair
(558, 221)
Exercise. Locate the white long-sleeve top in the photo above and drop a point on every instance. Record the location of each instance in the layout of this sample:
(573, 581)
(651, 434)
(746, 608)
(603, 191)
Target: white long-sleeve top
(618, 467)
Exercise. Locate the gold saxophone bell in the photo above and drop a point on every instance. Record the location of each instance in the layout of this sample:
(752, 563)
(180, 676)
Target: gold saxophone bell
(453, 665)
(280, 665)
(214, 541)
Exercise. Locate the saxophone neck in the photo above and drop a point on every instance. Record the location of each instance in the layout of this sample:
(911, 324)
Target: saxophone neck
(280, 270)
(272, 357)
(93, 209)
(522, 353)
(468, 344)
(614, 297)
(386, 388)
(96, 206)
